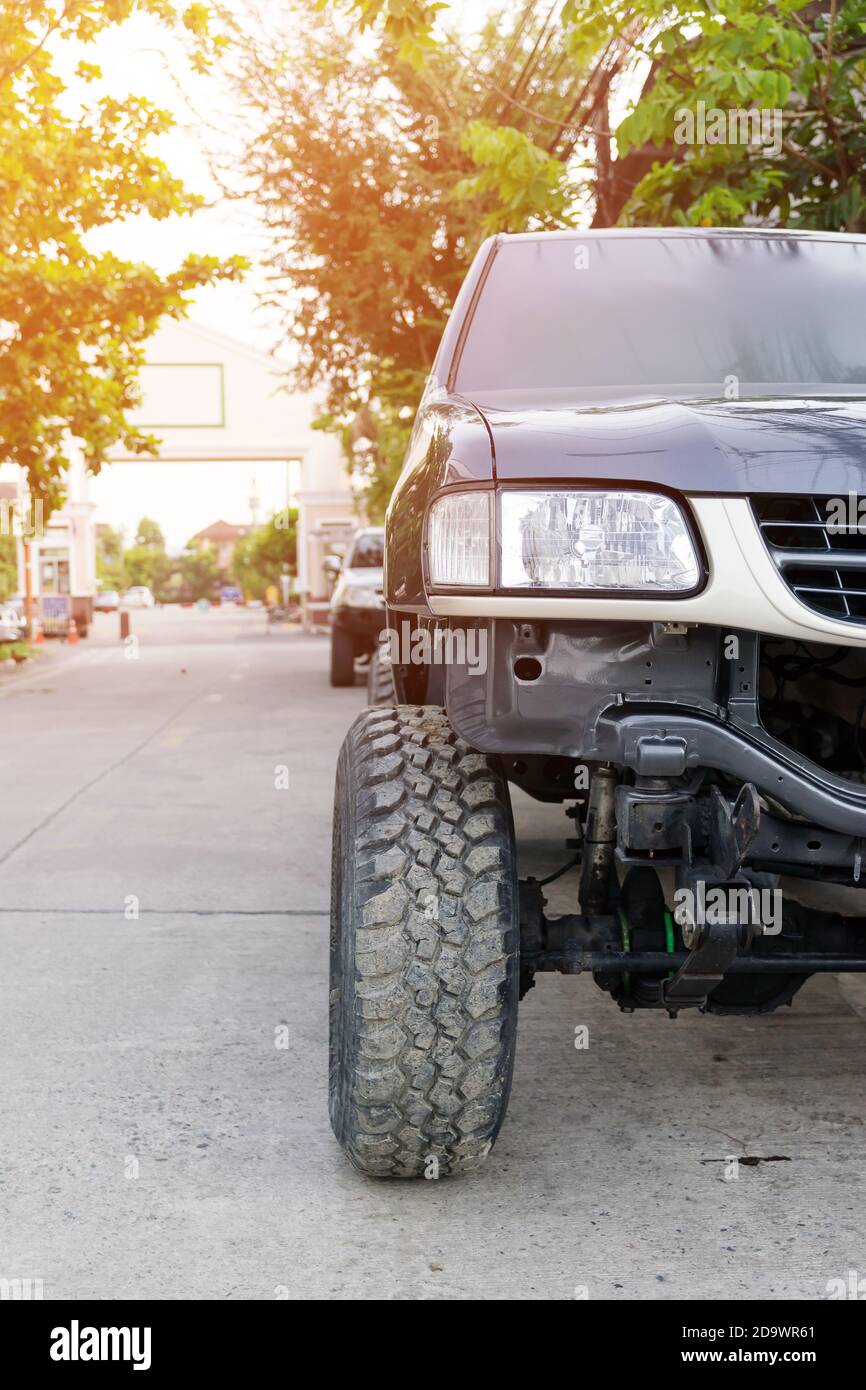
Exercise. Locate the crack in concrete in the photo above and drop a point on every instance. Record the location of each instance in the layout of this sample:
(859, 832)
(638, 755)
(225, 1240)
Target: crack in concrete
(94, 781)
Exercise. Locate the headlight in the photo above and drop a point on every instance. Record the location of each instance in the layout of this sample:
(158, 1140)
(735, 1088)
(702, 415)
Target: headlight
(595, 540)
(458, 536)
(362, 596)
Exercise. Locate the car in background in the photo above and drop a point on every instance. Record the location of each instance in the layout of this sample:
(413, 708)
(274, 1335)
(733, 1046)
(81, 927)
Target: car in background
(12, 623)
(106, 602)
(357, 604)
(139, 596)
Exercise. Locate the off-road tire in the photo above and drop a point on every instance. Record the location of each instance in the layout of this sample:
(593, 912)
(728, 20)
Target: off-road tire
(424, 947)
(380, 682)
(342, 658)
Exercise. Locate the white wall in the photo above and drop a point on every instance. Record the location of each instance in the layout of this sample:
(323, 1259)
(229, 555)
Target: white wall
(257, 417)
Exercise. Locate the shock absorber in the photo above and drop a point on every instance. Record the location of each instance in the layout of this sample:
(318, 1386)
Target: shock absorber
(598, 843)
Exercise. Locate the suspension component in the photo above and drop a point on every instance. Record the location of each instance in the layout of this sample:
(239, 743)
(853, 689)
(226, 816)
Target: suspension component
(599, 843)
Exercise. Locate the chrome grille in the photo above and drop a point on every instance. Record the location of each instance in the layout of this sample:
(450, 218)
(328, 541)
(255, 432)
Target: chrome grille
(824, 566)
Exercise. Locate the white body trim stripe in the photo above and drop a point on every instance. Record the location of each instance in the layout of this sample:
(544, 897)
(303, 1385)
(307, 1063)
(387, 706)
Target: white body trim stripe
(744, 590)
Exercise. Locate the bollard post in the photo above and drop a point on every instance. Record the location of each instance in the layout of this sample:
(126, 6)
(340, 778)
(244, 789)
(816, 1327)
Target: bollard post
(124, 624)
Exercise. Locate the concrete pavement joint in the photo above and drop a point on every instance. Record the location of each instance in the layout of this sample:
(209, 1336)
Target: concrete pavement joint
(94, 781)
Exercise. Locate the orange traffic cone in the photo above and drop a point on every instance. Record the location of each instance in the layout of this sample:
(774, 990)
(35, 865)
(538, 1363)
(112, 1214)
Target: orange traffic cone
(38, 634)
(72, 634)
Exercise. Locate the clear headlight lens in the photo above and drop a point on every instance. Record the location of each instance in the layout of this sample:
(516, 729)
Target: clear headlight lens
(595, 540)
(458, 536)
(362, 596)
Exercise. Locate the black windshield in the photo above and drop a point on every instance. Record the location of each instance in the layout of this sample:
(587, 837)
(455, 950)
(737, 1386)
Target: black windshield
(668, 317)
(368, 552)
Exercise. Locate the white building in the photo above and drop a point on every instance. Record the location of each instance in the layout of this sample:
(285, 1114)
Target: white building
(210, 399)
(61, 552)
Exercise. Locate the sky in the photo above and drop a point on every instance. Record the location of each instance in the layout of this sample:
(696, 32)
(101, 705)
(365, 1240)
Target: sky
(140, 56)
(144, 58)
(186, 497)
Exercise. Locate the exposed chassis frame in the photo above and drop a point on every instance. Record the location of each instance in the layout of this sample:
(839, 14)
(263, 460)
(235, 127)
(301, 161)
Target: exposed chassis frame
(661, 701)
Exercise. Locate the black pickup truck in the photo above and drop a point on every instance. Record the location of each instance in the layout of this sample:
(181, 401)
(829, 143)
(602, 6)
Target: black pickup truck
(625, 570)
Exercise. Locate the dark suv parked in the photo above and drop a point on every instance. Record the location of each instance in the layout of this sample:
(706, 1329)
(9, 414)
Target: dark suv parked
(357, 604)
(625, 570)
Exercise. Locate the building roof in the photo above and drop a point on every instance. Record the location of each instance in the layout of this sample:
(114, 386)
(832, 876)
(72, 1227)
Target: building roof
(221, 531)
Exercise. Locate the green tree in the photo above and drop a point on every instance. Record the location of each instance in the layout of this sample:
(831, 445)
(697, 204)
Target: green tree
(261, 557)
(146, 561)
(656, 59)
(198, 572)
(806, 62)
(149, 534)
(541, 153)
(364, 166)
(74, 321)
(143, 565)
(8, 566)
(110, 573)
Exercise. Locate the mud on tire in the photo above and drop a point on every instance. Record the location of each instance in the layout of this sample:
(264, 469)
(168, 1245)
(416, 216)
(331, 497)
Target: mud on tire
(424, 947)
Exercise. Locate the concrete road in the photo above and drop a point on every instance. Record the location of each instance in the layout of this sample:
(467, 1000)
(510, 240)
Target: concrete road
(164, 933)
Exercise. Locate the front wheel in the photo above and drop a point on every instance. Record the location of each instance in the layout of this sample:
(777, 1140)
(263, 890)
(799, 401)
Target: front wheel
(424, 947)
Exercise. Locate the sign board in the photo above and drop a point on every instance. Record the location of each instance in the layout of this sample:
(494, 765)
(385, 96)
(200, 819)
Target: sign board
(181, 396)
(54, 612)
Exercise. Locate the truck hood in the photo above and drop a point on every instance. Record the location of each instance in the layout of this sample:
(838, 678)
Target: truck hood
(779, 444)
